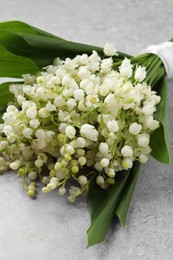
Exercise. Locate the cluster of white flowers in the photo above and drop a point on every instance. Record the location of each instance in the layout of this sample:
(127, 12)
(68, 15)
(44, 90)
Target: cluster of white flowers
(77, 118)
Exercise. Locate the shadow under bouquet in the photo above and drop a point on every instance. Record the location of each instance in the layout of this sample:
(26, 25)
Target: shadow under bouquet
(82, 113)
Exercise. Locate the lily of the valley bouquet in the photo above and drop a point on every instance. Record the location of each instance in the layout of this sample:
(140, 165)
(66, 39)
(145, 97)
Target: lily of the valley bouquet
(81, 117)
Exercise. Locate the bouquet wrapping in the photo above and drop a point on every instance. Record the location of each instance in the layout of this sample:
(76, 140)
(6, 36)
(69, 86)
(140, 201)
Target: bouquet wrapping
(83, 115)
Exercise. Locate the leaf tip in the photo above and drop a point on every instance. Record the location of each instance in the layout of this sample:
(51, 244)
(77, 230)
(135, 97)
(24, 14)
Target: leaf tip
(121, 220)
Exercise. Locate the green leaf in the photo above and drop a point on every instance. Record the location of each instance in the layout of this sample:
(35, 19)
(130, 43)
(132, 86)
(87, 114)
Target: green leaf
(129, 189)
(14, 66)
(5, 95)
(39, 46)
(160, 137)
(19, 28)
(16, 45)
(102, 204)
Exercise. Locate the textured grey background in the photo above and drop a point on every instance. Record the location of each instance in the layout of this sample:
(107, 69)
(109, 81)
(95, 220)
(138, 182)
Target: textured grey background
(49, 228)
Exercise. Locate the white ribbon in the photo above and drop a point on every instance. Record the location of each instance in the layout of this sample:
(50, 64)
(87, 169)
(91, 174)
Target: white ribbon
(165, 52)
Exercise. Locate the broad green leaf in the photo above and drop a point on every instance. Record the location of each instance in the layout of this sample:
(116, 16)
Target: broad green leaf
(160, 138)
(159, 145)
(12, 38)
(102, 204)
(28, 41)
(57, 44)
(14, 66)
(128, 191)
(16, 44)
(5, 95)
(39, 46)
(19, 28)
(50, 48)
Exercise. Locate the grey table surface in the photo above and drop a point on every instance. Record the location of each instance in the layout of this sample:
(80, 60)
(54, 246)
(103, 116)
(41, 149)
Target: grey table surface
(48, 228)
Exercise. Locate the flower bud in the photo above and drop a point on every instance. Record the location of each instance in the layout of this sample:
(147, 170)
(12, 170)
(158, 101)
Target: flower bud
(67, 157)
(103, 147)
(143, 140)
(51, 185)
(39, 163)
(104, 162)
(109, 49)
(127, 163)
(70, 132)
(100, 180)
(62, 191)
(111, 173)
(58, 166)
(112, 126)
(82, 180)
(31, 193)
(143, 158)
(45, 190)
(126, 68)
(140, 74)
(89, 132)
(135, 128)
(31, 112)
(71, 199)
(45, 180)
(75, 169)
(127, 151)
(32, 176)
(110, 181)
(34, 123)
(82, 160)
(14, 165)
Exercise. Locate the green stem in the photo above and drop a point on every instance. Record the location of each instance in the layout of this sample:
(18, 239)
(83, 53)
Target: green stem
(154, 67)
